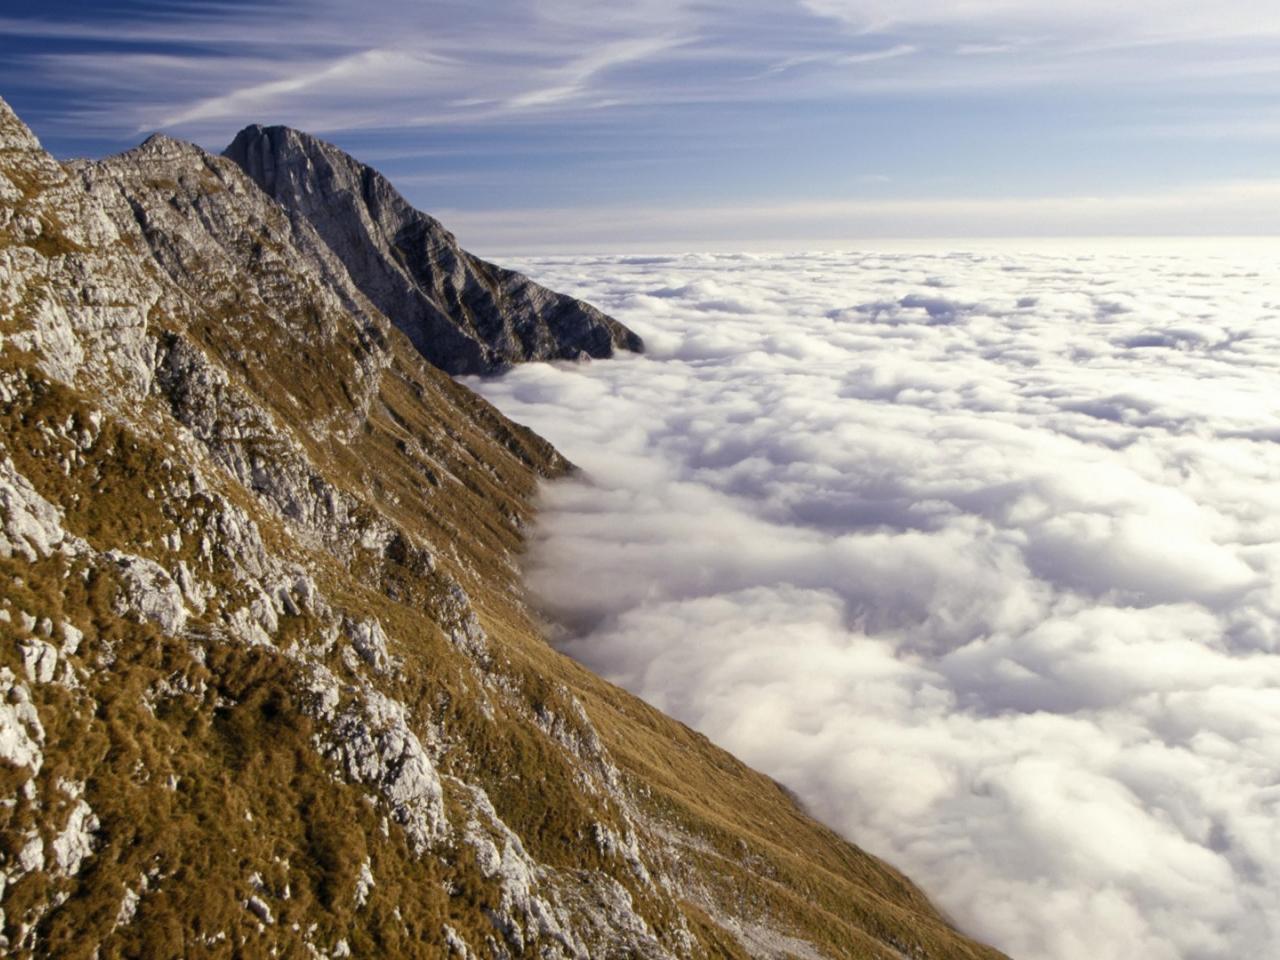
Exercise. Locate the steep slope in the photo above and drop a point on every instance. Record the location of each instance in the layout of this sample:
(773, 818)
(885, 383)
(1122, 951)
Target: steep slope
(267, 683)
(463, 314)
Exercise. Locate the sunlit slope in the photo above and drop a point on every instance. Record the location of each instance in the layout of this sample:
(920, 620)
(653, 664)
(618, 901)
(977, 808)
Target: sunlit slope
(269, 684)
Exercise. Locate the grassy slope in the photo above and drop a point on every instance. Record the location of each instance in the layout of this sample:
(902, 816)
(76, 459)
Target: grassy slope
(252, 795)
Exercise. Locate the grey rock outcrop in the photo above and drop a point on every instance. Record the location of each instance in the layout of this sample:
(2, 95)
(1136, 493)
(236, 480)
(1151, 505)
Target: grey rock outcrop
(464, 315)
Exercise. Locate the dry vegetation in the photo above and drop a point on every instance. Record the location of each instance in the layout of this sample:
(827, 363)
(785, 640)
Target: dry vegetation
(198, 754)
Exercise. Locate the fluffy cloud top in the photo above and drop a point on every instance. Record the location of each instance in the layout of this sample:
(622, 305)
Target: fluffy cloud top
(978, 553)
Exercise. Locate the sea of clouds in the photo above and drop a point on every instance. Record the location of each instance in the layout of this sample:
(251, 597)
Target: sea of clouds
(979, 553)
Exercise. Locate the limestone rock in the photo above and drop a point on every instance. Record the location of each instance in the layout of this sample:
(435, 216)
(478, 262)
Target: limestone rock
(149, 592)
(464, 314)
(31, 526)
(76, 841)
(21, 733)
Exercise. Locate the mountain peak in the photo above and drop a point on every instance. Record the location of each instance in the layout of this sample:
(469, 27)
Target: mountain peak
(14, 134)
(162, 142)
(464, 314)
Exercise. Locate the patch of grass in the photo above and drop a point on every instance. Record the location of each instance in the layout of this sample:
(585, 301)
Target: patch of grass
(53, 240)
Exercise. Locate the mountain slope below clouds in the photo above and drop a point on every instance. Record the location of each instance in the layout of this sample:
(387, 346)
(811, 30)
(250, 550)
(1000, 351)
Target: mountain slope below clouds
(464, 314)
(268, 686)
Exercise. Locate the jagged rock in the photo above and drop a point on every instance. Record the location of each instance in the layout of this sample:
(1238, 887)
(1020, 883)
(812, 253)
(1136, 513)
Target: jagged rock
(76, 841)
(149, 592)
(458, 618)
(464, 314)
(21, 733)
(39, 659)
(31, 527)
(364, 884)
(457, 946)
(523, 914)
(374, 743)
(260, 909)
(31, 856)
(72, 637)
(370, 641)
(128, 907)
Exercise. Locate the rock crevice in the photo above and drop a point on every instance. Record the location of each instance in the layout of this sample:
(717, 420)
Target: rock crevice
(464, 314)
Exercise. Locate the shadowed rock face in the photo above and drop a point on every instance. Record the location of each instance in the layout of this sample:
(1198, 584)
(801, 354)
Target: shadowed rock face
(464, 314)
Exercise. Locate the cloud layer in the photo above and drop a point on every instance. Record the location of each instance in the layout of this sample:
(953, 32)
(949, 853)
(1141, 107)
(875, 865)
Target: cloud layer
(977, 552)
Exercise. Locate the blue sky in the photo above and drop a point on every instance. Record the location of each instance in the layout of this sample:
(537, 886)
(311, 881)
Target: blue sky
(581, 125)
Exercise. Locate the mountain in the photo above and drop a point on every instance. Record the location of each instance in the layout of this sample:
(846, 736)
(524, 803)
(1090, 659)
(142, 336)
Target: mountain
(465, 315)
(269, 686)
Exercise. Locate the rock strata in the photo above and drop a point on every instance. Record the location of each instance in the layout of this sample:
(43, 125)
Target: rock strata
(464, 314)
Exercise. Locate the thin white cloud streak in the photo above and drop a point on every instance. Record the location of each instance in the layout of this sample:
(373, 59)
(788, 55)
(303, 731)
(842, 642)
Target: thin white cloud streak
(1249, 208)
(342, 66)
(978, 553)
(838, 59)
(1140, 21)
(572, 80)
(338, 65)
(875, 56)
(385, 67)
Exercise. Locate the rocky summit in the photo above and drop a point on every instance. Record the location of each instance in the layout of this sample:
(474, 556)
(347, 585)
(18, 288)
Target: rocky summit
(463, 314)
(269, 686)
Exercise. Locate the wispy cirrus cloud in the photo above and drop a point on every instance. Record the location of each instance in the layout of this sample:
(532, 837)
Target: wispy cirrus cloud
(838, 59)
(697, 105)
(191, 69)
(570, 81)
(1138, 22)
(342, 65)
(374, 70)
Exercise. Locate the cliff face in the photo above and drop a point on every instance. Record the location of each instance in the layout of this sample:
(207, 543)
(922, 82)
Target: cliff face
(465, 315)
(267, 683)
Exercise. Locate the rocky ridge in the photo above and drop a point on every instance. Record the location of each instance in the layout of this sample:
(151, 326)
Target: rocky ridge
(464, 314)
(267, 683)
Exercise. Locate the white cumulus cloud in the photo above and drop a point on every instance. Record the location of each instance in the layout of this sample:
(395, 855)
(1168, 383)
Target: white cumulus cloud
(977, 552)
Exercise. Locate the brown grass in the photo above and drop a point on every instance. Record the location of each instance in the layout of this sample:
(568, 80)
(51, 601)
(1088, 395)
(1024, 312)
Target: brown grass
(252, 793)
